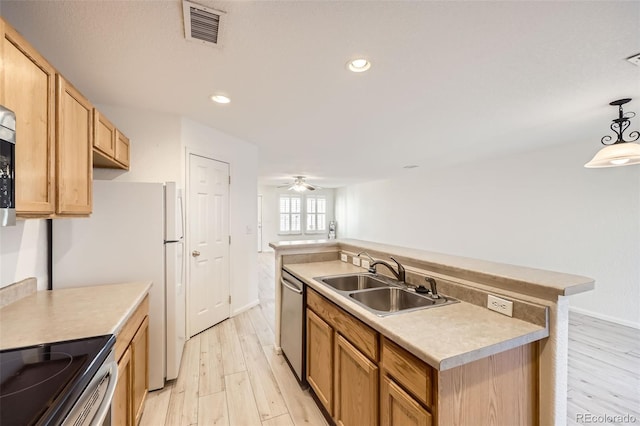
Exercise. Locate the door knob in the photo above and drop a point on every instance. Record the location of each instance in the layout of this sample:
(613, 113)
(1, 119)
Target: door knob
(195, 253)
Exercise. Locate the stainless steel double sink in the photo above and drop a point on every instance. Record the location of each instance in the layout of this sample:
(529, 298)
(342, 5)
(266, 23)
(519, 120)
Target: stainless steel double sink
(380, 295)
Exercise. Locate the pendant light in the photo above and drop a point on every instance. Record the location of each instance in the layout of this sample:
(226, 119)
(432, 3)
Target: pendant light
(620, 152)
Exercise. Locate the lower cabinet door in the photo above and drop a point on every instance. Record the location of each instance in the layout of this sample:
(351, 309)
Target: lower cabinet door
(140, 370)
(121, 403)
(320, 359)
(356, 386)
(398, 408)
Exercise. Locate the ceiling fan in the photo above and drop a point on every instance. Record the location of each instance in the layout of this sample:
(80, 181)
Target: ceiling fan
(299, 185)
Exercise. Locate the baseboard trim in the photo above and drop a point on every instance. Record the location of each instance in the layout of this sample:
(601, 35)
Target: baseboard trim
(605, 317)
(245, 307)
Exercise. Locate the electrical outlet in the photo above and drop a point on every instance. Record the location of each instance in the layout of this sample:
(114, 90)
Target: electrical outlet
(365, 264)
(355, 260)
(502, 306)
(343, 257)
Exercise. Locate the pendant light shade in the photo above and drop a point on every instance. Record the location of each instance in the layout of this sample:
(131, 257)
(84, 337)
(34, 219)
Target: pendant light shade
(620, 152)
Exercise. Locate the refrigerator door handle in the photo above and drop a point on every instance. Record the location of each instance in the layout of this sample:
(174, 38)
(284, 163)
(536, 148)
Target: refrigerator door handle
(180, 214)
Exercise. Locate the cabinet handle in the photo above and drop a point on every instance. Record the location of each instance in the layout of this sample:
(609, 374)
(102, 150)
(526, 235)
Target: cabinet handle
(195, 253)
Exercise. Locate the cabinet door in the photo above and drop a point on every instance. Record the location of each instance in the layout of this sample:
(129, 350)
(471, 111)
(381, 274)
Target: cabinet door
(74, 150)
(122, 149)
(29, 90)
(356, 386)
(104, 134)
(140, 368)
(121, 404)
(398, 408)
(320, 359)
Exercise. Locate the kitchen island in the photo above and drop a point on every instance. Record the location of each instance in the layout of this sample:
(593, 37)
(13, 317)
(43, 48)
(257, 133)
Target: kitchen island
(458, 341)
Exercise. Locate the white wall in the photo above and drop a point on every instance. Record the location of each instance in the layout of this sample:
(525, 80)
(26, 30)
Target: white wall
(243, 199)
(23, 252)
(270, 216)
(540, 209)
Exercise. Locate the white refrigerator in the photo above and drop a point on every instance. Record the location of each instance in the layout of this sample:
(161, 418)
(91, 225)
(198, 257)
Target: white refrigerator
(135, 233)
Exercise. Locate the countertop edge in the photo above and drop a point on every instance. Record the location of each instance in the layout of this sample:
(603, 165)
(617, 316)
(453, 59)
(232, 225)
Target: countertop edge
(466, 358)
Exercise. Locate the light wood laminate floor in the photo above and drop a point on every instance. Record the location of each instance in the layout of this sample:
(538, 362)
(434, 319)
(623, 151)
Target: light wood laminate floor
(604, 372)
(231, 375)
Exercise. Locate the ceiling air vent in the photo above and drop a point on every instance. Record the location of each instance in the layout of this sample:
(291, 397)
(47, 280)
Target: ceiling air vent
(202, 24)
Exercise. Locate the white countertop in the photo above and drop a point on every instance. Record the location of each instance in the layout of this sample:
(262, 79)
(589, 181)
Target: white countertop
(444, 337)
(71, 313)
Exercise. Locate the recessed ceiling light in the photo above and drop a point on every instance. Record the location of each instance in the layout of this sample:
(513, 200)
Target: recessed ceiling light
(221, 99)
(359, 65)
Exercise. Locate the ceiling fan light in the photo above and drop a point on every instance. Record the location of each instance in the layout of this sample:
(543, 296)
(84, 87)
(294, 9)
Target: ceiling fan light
(619, 154)
(359, 65)
(221, 99)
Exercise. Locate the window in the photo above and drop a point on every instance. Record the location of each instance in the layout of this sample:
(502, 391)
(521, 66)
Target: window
(316, 213)
(290, 214)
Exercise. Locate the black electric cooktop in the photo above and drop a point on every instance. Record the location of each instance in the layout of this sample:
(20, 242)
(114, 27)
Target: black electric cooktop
(40, 384)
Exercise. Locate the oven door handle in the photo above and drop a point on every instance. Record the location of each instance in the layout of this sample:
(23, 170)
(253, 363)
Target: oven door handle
(105, 406)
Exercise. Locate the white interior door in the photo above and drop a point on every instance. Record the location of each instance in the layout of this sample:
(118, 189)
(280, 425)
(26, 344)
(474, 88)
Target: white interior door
(209, 243)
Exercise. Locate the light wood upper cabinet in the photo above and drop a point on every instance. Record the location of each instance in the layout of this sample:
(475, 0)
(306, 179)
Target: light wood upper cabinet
(74, 156)
(356, 386)
(28, 81)
(104, 137)
(320, 359)
(122, 150)
(58, 132)
(110, 145)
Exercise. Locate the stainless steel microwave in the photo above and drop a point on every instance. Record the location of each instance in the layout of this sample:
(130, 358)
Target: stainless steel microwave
(7, 167)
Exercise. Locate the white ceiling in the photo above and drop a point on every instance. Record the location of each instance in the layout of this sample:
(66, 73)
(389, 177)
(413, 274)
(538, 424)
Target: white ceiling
(450, 81)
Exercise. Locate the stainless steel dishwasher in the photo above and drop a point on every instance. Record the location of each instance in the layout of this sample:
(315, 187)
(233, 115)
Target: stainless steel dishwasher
(292, 324)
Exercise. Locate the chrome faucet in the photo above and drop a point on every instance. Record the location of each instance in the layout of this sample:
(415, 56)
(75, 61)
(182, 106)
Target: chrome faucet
(369, 256)
(400, 275)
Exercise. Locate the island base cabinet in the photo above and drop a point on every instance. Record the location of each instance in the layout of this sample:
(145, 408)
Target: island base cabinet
(121, 403)
(398, 408)
(356, 386)
(320, 359)
(506, 382)
(351, 381)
